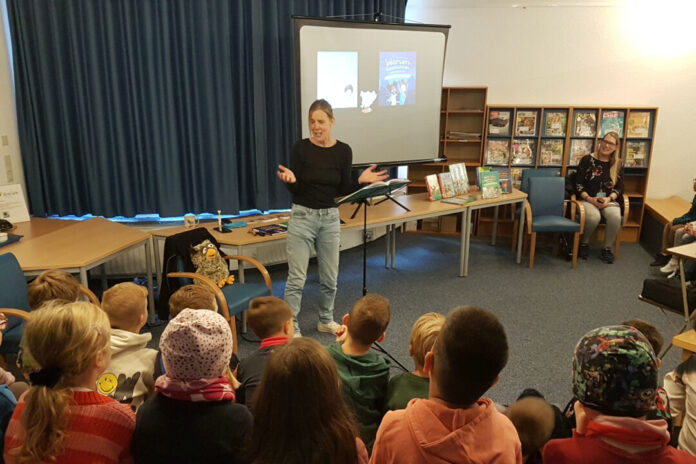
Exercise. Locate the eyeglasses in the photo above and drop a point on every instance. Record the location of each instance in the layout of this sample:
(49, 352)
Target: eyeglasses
(606, 142)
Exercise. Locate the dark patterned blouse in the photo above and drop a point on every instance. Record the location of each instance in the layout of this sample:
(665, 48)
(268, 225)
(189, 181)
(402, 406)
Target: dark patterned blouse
(593, 177)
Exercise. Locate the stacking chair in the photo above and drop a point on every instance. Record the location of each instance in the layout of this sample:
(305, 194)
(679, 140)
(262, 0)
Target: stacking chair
(232, 299)
(13, 302)
(545, 213)
(526, 175)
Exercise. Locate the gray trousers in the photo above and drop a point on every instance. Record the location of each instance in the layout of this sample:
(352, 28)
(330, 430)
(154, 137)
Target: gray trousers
(612, 217)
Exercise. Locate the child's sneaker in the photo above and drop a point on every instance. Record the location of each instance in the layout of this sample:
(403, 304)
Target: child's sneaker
(607, 255)
(670, 267)
(329, 327)
(583, 250)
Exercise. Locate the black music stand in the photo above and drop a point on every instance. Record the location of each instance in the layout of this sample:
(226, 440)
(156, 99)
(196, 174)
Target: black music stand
(362, 198)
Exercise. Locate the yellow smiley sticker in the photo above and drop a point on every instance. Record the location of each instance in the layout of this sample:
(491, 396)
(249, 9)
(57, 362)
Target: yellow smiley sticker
(106, 384)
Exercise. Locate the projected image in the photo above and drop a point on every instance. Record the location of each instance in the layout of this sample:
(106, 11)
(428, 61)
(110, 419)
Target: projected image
(397, 78)
(337, 78)
(367, 98)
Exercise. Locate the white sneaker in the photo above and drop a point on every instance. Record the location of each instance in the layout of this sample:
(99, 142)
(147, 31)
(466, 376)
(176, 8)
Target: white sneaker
(673, 274)
(670, 267)
(329, 327)
(297, 334)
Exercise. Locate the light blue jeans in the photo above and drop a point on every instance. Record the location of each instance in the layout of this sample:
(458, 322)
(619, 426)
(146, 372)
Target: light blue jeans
(309, 229)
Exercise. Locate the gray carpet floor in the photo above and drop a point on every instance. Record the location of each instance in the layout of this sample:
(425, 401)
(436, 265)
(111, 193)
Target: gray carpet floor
(545, 310)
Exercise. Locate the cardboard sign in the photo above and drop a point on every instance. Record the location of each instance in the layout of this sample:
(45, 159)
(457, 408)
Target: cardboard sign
(13, 206)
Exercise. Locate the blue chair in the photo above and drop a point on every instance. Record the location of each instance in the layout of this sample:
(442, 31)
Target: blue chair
(13, 298)
(546, 211)
(526, 175)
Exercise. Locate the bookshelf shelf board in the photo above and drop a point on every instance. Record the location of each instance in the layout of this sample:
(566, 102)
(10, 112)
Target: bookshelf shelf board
(461, 140)
(632, 224)
(472, 111)
(634, 194)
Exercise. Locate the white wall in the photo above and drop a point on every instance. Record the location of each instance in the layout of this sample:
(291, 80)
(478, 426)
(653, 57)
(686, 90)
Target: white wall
(10, 161)
(624, 55)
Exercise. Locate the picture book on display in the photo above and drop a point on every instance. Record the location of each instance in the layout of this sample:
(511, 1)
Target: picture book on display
(446, 185)
(585, 124)
(526, 123)
(433, 186)
(555, 123)
(516, 175)
(638, 124)
(523, 151)
(479, 171)
(499, 123)
(382, 187)
(460, 178)
(490, 184)
(497, 152)
(636, 154)
(551, 152)
(612, 121)
(463, 200)
(578, 149)
(270, 229)
(505, 178)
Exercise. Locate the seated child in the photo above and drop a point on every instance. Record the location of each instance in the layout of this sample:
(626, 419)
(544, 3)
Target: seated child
(62, 419)
(671, 236)
(271, 319)
(455, 424)
(300, 416)
(534, 420)
(129, 377)
(614, 380)
(193, 297)
(364, 375)
(404, 387)
(192, 417)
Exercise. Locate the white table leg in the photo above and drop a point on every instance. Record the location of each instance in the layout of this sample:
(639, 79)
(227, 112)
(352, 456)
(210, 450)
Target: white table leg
(495, 224)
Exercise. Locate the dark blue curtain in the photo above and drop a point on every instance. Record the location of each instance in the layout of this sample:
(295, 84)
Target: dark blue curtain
(159, 106)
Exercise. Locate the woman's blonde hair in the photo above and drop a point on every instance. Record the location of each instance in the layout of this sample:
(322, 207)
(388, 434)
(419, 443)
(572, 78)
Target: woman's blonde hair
(615, 161)
(63, 337)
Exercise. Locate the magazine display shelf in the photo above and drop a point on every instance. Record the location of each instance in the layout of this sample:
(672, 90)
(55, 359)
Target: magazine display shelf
(521, 137)
(462, 118)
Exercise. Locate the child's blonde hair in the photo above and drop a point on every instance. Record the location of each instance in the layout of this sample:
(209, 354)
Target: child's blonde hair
(64, 338)
(124, 304)
(423, 336)
(54, 284)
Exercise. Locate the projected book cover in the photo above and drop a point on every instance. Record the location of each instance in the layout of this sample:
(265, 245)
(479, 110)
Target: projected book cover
(337, 78)
(397, 78)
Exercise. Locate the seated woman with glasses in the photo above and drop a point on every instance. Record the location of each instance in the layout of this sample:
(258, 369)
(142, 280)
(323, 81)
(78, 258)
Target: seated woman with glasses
(598, 184)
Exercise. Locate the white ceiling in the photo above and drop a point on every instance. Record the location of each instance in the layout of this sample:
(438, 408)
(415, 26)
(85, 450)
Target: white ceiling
(510, 3)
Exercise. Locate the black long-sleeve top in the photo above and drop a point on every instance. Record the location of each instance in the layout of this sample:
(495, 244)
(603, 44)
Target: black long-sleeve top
(322, 173)
(593, 176)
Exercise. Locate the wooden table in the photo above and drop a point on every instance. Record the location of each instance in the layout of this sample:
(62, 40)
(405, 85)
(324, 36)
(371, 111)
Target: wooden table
(684, 252)
(666, 209)
(687, 342)
(77, 246)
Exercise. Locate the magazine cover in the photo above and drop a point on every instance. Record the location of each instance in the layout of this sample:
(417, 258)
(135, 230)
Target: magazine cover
(516, 175)
(636, 154)
(497, 152)
(585, 124)
(612, 121)
(526, 123)
(523, 151)
(638, 124)
(578, 149)
(433, 186)
(499, 123)
(555, 125)
(397, 78)
(551, 152)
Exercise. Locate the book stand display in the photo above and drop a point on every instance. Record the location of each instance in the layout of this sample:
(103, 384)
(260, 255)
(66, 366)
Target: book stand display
(363, 201)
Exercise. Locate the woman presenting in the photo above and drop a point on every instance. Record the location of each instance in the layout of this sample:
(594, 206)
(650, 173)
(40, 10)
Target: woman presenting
(598, 183)
(319, 171)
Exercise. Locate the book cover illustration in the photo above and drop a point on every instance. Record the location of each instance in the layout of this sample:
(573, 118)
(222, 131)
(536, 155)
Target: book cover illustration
(479, 171)
(433, 186)
(578, 149)
(490, 185)
(555, 125)
(446, 185)
(463, 200)
(397, 78)
(526, 123)
(612, 121)
(499, 123)
(585, 124)
(551, 152)
(497, 152)
(638, 124)
(516, 175)
(382, 187)
(523, 151)
(270, 229)
(505, 178)
(636, 154)
(460, 178)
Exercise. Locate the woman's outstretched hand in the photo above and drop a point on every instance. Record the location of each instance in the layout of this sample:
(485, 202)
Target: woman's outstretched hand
(286, 175)
(369, 175)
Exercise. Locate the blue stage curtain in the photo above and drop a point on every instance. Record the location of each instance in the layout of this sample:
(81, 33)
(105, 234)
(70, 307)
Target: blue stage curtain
(159, 106)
